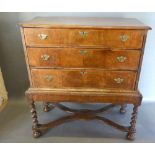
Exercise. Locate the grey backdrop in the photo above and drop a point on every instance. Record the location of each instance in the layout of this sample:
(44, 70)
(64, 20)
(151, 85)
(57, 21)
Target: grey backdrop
(12, 58)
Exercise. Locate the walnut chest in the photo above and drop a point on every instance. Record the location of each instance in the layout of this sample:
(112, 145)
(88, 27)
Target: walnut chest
(84, 60)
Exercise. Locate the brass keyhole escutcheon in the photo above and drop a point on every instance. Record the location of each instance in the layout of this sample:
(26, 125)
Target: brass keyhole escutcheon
(83, 33)
(83, 72)
(82, 52)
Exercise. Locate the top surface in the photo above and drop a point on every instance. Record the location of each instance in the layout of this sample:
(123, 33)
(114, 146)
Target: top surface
(82, 22)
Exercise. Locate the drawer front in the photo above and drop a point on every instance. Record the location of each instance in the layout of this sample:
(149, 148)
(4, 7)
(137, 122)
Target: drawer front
(131, 39)
(87, 58)
(46, 78)
(90, 78)
(54, 57)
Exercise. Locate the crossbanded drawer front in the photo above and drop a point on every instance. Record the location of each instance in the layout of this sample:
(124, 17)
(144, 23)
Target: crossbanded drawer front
(80, 78)
(131, 39)
(87, 58)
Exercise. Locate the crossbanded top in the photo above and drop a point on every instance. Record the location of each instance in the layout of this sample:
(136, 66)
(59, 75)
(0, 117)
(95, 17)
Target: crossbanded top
(83, 22)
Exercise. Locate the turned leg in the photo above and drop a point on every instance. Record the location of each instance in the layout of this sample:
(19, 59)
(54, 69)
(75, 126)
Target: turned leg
(132, 129)
(36, 132)
(123, 109)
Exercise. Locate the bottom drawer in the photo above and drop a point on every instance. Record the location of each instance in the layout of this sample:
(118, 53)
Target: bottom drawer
(84, 78)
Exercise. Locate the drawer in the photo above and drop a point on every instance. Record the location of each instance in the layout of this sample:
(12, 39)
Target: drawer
(88, 78)
(87, 58)
(131, 39)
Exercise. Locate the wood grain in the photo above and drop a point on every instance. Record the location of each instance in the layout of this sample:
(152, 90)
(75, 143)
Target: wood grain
(83, 96)
(87, 22)
(84, 58)
(69, 78)
(72, 37)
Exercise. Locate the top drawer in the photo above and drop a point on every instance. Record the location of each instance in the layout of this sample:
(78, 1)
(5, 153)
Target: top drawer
(130, 39)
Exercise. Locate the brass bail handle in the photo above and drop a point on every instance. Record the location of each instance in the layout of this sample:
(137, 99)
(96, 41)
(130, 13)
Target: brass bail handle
(121, 58)
(42, 36)
(119, 80)
(124, 38)
(45, 57)
(48, 77)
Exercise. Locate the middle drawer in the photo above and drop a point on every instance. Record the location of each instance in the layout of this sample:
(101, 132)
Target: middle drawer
(83, 58)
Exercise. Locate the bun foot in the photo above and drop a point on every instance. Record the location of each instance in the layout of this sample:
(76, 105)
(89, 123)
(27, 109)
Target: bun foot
(130, 136)
(46, 107)
(36, 134)
(123, 109)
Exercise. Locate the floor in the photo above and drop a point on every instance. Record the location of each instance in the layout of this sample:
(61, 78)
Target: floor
(15, 125)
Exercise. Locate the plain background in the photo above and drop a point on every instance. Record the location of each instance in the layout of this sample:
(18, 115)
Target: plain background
(12, 59)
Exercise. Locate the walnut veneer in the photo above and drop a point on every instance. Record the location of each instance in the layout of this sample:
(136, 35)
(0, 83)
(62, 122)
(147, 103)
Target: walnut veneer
(84, 60)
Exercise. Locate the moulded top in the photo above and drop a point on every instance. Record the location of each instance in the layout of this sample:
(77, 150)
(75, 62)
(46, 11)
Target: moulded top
(83, 22)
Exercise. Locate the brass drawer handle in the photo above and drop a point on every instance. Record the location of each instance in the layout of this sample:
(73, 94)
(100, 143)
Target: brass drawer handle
(121, 58)
(48, 77)
(82, 52)
(124, 38)
(119, 80)
(45, 57)
(83, 72)
(43, 36)
(83, 33)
